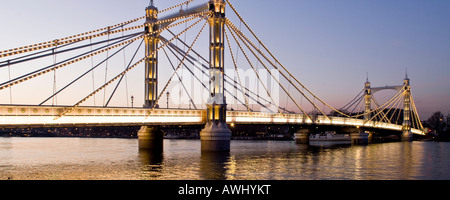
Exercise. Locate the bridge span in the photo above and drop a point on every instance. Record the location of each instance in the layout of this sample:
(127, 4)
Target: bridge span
(49, 116)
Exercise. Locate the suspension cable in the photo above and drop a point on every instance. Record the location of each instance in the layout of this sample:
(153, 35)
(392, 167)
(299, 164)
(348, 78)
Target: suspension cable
(237, 71)
(268, 70)
(276, 60)
(181, 4)
(75, 59)
(58, 41)
(357, 101)
(384, 114)
(396, 106)
(66, 41)
(92, 75)
(121, 78)
(10, 88)
(192, 60)
(184, 57)
(90, 70)
(227, 77)
(126, 75)
(241, 36)
(54, 78)
(52, 53)
(174, 51)
(388, 103)
(415, 109)
(180, 79)
(63, 64)
(106, 71)
(353, 100)
(257, 75)
(121, 74)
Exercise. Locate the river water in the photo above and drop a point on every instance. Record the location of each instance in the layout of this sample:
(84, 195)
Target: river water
(120, 159)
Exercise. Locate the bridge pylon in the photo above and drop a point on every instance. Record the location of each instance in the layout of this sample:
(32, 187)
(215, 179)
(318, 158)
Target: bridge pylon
(216, 135)
(367, 100)
(406, 126)
(151, 53)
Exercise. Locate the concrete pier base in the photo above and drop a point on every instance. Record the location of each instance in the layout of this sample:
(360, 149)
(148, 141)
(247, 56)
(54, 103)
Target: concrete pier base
(215, 137)
(301, 137)
(151, 137)
(407, 136)
(359, 138)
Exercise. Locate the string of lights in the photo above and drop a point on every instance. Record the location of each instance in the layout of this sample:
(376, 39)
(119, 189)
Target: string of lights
(381, 108)
(66, 40)
(184, 57)
(57, 41)
(237, 72)
(268, 70)
(74, 60)
(69, 62)
(277, 61)
(181, 4)
(256, 72)
(123, 73)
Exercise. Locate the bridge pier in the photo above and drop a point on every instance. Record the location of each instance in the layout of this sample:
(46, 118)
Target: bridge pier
(302, 136)
(407, 136)
(151, 138)
(215, 137)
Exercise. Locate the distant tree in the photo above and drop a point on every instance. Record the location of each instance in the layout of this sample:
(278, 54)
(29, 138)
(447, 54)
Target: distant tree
(437, 122)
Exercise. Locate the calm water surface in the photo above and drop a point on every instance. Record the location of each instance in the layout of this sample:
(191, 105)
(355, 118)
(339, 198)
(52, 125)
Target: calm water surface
(120, 159)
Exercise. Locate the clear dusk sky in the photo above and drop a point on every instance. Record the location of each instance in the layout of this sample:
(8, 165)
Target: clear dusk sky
(329, 45)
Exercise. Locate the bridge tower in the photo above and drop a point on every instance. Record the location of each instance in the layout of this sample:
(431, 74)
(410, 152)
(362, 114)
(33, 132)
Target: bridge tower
(151, 63)
(151, 137)
(367, 100)
(216, 135)
(406, 129)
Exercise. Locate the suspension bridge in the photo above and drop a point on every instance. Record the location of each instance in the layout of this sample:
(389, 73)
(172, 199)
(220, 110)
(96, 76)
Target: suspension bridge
(75, 73)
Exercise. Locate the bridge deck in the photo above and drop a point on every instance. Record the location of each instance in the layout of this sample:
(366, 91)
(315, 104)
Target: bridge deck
(47, 116)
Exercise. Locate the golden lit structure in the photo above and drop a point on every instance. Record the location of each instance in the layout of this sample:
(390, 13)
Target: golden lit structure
(406, 128)
(367, 100)
(216, 134)
(151, 62)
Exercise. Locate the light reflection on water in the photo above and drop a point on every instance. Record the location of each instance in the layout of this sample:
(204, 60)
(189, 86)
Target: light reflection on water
(120, 159)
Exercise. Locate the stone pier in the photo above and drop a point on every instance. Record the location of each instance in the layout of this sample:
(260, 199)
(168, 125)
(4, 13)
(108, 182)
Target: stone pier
(407, 136)
(302, 136)
(151, 137)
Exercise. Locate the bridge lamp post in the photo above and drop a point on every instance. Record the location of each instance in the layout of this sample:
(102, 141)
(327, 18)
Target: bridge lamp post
(168, 96)
(132, 101)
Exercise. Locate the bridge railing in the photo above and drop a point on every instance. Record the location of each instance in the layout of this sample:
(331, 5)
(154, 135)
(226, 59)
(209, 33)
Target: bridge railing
(39, 116)
(43, 116)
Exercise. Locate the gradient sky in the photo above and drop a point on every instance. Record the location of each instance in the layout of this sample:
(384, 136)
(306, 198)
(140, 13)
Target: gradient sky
(329, 45)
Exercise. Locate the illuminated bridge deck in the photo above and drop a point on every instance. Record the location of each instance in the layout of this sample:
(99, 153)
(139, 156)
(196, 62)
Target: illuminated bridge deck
(48, 116)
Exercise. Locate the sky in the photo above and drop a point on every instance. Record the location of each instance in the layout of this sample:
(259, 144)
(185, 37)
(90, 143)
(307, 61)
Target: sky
(330, 45)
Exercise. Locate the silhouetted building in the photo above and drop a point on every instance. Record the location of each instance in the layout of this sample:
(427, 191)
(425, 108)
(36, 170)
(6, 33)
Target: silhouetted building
(448, 122)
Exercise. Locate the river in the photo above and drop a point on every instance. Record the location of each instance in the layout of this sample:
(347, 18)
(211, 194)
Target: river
(120, 159)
